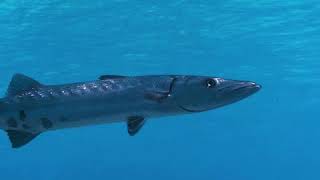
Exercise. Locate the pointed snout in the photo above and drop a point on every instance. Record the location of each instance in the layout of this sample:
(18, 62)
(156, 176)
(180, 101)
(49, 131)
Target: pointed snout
(242, 88)
(199, 94)
(252, 86)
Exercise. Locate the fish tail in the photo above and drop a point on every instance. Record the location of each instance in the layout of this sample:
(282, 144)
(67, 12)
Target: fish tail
(2, 105)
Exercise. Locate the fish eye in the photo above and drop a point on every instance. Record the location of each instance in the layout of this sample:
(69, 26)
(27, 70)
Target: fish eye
(211, 83)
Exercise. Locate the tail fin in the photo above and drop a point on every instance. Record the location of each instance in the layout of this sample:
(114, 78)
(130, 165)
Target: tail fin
(19, 84)
(20, 138)
(3, 105)
(17, 138)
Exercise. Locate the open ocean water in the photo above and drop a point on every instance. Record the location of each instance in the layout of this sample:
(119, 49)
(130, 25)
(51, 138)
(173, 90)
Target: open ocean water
(273, 135)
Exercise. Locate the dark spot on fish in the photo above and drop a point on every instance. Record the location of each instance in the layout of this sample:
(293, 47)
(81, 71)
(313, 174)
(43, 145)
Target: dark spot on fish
(22, 115)
(46, 123)
(12, 123)
(25, 126)
(63, 119)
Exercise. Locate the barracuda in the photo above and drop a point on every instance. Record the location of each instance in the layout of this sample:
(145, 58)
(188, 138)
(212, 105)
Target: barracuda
(31, 108)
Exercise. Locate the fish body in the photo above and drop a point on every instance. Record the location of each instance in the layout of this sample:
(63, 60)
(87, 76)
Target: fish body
(31, 108)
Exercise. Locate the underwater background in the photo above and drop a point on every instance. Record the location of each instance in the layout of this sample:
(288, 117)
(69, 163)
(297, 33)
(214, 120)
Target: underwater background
(273, 135)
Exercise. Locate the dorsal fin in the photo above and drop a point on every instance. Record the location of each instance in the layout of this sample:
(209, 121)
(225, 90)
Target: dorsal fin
(21, 83)
(20, 138)
(106, 77)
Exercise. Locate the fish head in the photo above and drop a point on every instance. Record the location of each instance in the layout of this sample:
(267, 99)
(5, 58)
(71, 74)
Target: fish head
(200, 93)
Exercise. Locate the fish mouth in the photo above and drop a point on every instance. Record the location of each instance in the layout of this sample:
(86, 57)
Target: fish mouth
(238, 90)
(245, 89)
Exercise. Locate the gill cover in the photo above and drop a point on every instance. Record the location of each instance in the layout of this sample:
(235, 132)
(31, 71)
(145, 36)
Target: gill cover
(159, 89)
(194, 93)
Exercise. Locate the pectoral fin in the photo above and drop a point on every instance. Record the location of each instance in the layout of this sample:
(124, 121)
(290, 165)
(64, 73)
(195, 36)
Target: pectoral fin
(135, 123)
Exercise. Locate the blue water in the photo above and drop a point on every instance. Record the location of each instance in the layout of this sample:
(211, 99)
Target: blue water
(273, 135)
